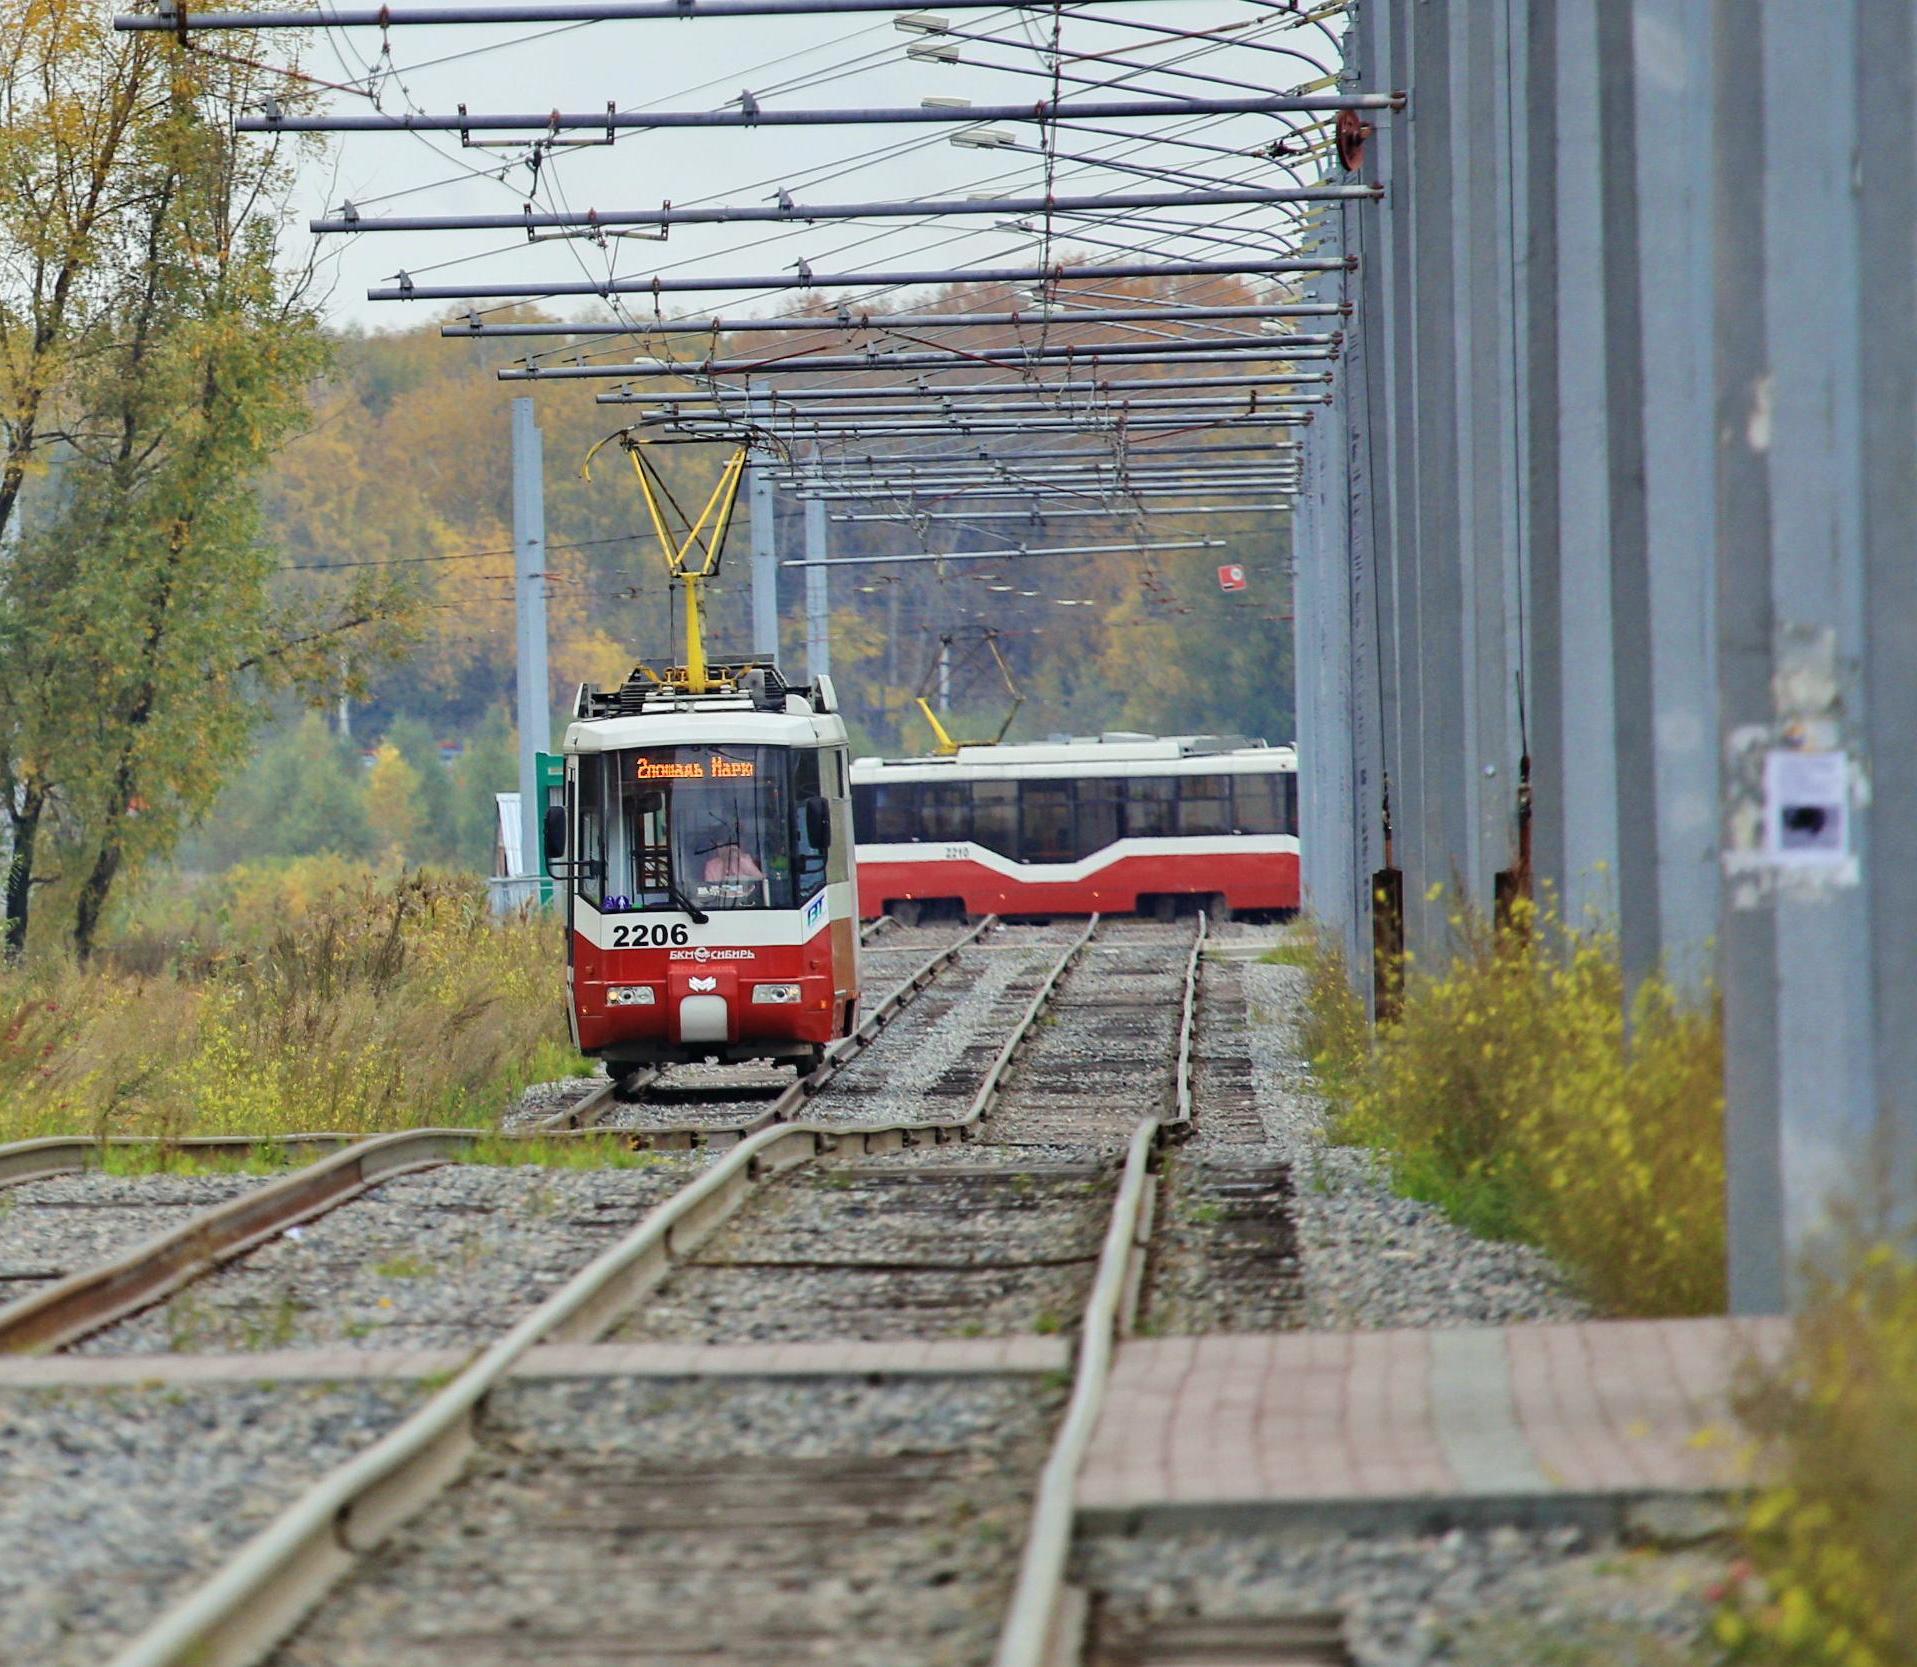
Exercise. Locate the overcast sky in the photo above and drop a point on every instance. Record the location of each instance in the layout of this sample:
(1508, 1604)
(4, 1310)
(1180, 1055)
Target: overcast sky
(805, 62)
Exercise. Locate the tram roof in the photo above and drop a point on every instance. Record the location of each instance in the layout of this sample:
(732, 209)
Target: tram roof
(734, 723)
(1112, 753)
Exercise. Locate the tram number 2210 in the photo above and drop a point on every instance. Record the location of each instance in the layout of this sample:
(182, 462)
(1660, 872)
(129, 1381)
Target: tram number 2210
(638, 937)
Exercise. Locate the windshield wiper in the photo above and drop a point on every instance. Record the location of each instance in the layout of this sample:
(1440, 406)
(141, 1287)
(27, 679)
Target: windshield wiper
(699, 916)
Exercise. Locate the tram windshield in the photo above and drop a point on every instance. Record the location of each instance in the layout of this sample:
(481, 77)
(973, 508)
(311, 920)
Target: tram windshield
(699, 827)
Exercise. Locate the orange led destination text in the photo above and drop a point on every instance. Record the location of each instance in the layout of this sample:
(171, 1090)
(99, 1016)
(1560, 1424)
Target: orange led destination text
(668, 769)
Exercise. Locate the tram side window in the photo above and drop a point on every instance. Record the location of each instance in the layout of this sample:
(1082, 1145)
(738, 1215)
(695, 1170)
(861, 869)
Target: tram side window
(1204, 805)
(1045, 822)
(995, 816)
(1291, 801)
(1255, 807)
(1100, 805)
(622, 834)
(1149, 801)
(808, 861)
(945, 811)
(894, 815)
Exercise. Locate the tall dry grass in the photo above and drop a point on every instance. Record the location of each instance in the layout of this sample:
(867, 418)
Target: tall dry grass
(1522, 1091)
(379, 1002)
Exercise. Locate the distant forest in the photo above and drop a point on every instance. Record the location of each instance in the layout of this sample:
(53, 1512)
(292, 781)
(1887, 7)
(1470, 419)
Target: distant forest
(400, 488)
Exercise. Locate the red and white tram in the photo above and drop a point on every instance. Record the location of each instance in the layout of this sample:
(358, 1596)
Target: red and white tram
(1121, 824)
(708, 868)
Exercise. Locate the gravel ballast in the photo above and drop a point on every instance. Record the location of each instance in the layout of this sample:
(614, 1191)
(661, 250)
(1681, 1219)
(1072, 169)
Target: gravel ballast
(52, 1228)
(1502, 1597)
(882, 1252)
(869, 1524)
(1371, 1258)
(447, 1258)
(115, 1502)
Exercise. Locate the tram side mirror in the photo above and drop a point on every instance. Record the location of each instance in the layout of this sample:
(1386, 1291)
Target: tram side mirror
(816, 817)
(555, 832)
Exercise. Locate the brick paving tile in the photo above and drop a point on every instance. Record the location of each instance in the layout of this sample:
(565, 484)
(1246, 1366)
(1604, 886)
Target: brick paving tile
(1603, 1407)
(1574, 1439)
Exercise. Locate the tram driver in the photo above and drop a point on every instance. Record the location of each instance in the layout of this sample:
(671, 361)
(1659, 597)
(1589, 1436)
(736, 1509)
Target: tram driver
(728, 872)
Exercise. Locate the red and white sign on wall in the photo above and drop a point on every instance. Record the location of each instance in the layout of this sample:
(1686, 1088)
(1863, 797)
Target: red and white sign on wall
(1231, 576)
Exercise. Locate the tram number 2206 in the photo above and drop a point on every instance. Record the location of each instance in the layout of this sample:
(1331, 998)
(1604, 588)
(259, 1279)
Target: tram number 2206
(641, 935)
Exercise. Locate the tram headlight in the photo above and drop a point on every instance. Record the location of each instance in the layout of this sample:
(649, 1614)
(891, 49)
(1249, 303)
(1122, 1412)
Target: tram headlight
(630, 995)
(775, 995)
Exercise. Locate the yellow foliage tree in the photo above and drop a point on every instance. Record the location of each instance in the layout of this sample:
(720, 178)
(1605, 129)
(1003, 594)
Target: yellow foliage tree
(393, 806)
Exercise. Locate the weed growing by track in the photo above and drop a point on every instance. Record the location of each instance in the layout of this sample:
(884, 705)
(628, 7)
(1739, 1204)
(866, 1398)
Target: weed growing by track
(1525, 1094)
(165, 1159)
(1831, 1578)
(394, 1002)
(592, 1153)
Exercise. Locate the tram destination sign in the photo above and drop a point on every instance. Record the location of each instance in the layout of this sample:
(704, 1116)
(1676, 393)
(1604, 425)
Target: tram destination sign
(693, 769)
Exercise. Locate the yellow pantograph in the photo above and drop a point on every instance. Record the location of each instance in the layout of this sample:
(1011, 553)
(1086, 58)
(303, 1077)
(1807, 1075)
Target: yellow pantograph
(704, 542)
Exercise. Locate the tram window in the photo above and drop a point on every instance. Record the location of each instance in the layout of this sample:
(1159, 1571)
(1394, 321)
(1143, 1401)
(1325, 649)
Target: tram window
(590, 869)
(945, 811)
(995, 816)
(1045, 822)
(1098, 813)
(808, 860)
(1204, 804)
(1291, 802)
(706, 827)
(1148, 806)
(1255, 805)
(894, 817)
(622, 837)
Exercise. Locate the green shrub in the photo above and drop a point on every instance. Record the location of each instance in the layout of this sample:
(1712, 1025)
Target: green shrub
(1513, 1093)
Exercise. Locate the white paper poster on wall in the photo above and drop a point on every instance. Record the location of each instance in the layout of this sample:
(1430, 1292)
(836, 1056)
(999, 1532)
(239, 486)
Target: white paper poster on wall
(1806, 808)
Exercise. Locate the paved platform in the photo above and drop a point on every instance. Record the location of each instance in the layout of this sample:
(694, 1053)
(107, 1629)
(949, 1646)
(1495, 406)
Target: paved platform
(956, 1357)
(1420, 1430)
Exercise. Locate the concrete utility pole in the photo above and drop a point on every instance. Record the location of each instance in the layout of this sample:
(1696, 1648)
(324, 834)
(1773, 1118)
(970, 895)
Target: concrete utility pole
(765, 562)
(529, 595)
(818, 602)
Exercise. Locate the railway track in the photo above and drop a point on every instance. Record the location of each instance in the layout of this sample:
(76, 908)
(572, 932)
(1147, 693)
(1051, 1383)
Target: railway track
(846, 1533)
(59, 1305)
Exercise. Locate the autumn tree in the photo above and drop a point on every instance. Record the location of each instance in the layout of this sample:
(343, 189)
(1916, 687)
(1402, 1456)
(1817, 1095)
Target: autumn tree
(154, 355)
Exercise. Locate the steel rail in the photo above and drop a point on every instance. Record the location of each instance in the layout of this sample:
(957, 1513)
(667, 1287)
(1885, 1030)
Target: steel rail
(261, 1593)
(847, 322)
(1038, 1624)
(1026, 1638)
(96, 1296)
(33, 1160)
(593, 219)
(803, 278)
(1042, 112)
